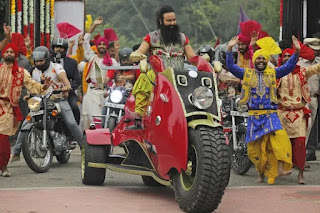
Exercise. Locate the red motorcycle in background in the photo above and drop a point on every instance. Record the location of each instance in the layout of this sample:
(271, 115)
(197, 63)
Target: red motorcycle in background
(182, 143)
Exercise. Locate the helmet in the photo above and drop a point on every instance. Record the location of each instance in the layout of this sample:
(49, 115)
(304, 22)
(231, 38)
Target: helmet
(59, 42)
(41, 53)
(222, 57)
(125, 54)
(207, 49)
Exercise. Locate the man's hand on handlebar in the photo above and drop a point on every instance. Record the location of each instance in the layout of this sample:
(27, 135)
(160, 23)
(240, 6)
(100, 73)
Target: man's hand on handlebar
(65, 90)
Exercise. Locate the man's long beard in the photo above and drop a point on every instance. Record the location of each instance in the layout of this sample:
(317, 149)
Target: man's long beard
(170, 34)
(9, 59)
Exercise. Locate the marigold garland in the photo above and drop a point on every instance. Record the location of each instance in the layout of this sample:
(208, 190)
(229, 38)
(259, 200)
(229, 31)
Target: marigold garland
(47, 32)
(19, 16)
(31, 21)
(13, 16)
(42, 22)
(52, 17)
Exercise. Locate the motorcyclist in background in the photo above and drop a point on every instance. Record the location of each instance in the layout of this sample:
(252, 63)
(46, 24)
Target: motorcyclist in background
(229, 85)
(207, 49)
(59, 47)
(125, 78)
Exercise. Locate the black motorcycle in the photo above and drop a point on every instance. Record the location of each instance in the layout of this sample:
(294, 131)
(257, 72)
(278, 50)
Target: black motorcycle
(44, 133)
(113, 106)
(235, 124)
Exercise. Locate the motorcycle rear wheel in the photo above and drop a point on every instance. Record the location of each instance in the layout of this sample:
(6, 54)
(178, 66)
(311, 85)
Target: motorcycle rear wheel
(94, 154)
(38, 159)
(200, 188)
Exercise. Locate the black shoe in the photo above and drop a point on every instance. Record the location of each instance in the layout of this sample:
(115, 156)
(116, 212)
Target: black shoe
(136, 126)
(311, 156)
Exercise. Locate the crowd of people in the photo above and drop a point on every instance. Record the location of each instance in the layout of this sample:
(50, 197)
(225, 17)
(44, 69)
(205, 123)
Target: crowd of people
(282, 96)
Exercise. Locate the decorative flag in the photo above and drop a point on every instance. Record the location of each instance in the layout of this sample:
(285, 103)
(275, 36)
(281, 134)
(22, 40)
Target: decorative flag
(67, 30)
(242, 18)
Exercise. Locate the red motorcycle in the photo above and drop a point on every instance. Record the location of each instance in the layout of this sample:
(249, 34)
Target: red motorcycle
(182, 143)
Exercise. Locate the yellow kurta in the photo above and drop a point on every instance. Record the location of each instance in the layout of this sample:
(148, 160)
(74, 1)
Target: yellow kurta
(8, 122)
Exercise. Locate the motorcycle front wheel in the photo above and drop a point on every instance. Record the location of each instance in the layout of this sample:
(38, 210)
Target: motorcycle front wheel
(200, 188)
(240, 162)
(38, 158)
(112, 122)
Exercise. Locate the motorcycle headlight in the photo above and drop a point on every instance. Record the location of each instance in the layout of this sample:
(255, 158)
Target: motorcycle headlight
(116, 96)
(240, 107)
(202, 97)
(34, 103)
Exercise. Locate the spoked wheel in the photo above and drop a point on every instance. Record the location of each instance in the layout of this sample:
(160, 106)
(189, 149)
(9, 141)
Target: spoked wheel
(240, 162)
(200, 187)
(93, 154)
(38, 158)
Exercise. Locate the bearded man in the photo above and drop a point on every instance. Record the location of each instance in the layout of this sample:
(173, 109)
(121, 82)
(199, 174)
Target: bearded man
(12, 78)
(170, 45)
(97, 64)
(269, 147)
(167, 40)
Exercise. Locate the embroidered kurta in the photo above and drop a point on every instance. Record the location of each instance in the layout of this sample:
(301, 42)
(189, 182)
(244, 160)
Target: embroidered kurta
(8, 122)
(263, 118)
(293, 96)
(172, 55)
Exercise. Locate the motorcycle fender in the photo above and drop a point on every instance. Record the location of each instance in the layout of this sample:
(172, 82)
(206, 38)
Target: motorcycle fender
(204, 122)
(26, 126)
(98, 136)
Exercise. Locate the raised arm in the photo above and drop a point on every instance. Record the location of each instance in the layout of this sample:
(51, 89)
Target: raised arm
(233, 68)
(314, 69)
(289, 66)
(7, 33)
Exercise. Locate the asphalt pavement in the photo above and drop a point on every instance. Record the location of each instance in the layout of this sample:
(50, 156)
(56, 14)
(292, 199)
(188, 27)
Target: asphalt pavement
(60, 190)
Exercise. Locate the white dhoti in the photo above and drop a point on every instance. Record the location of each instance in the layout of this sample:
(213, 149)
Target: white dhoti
(92, 105)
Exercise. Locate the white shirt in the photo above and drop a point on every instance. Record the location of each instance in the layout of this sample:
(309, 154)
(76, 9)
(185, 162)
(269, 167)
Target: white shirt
(53, 71)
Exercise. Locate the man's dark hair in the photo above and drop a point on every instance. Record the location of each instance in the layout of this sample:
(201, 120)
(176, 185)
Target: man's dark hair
(285, 44)
(162, 10)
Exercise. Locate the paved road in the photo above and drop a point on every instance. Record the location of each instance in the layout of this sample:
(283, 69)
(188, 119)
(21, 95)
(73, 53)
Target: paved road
(61, 190)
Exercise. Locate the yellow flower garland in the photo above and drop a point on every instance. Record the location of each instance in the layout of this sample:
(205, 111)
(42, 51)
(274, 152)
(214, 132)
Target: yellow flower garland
(13, 16)
(52, 16)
